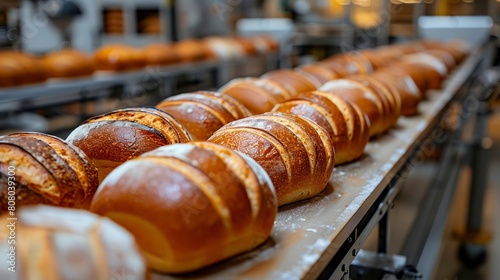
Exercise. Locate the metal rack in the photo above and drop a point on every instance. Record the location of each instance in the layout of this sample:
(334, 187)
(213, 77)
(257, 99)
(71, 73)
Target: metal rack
(320, 237)
(62, 91)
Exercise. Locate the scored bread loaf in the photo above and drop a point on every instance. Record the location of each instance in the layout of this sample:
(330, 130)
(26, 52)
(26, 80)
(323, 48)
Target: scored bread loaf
(118, 57)
(113, 138)
(201, 203)
(203, 112)
(68, 63)
(297, 154)
(46, 170)
(346, 124)
(58, 244)
(258, 95)
(406, 89)
(417, 74)
(321, 73)
(434, 69)
(293, 81)
(387, 94)
(352, 63)
(368, 101)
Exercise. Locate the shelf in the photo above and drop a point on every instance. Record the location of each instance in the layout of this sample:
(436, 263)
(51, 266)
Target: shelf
(53, 91)
(309, 234)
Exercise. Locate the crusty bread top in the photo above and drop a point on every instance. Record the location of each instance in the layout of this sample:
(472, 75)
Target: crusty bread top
(68, 186)
(79, 162)
(160, 121)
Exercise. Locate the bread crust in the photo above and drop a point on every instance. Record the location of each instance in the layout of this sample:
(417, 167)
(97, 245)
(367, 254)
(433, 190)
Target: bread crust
(185, 181)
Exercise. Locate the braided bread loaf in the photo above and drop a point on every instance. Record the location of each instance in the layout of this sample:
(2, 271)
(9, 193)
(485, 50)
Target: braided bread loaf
(201, 203)
(346, 124)
(203, 112)
(46, 170)
(297, 154)
(57, 244)
(115, 137)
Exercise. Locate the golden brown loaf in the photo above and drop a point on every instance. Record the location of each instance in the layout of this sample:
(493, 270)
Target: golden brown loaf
(405, 87)
(201, 203)
(46, 170)
(119, 58)
(192, 50)
(416, 73)
(293, 81)
(115, 137)
(68, 63)
(434, 69)
(321, 73)
(161, 54)
(353, 63)
(224, 48)
(446, 58)
(346, 124)
(203, 112)
(258, 95)
(391, 100)
(368, 101)
(19, 69)
(297, 154)
(57, 244)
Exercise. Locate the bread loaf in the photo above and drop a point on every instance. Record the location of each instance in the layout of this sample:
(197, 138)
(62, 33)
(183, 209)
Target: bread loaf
(321, 73)
(297, 154)
(192, 50)
(434, 70)
(224, 48)
(353, 63)
(161, 54)
(58, 244)
(446, 58)
(46, 170)
(68, 63)
(201, 203)
(406, 89)
(119, 58)
(20, 69)
(417, 74)
(203, 112)
(387, 94)
(369, 102)
(257, 94)
(293, 81)
(115, 137)
(346, 124)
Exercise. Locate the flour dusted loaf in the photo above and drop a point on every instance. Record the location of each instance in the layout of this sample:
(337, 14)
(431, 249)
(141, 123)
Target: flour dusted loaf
(203, 112)
(297, 154)
(345, 123)
(190, 205)
(58, 244)
(113, 138)
(46, 170)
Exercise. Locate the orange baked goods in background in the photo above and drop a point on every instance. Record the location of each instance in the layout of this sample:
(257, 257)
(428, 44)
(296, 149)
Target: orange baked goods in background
(17, 68)
(297, 153)
(118, 57)
(258, 95)
(203, 112)
(193, 50)
(68, 63)
(113, 138)
(201, 203)
(47, 170)
(161, 54)
(346, 124)
(57, 243)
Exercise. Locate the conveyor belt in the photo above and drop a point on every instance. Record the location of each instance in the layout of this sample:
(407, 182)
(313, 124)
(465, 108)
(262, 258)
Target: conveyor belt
(309, 234)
